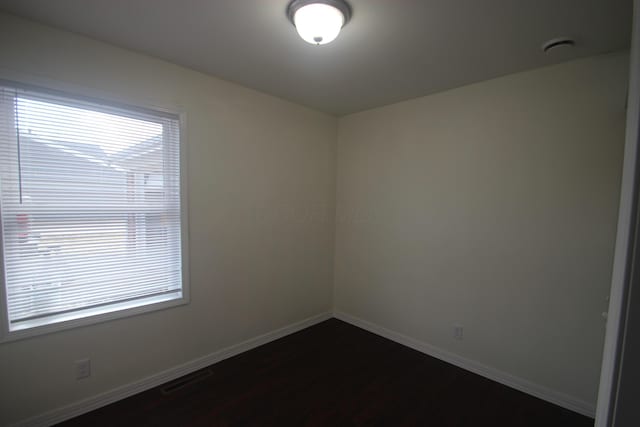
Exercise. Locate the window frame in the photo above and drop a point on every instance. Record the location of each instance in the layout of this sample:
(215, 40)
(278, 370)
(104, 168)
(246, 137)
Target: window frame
(100, 315)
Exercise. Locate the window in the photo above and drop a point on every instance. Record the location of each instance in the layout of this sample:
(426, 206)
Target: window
(90, 204)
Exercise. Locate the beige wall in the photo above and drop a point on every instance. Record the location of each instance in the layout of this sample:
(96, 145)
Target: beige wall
(492, 206)
(261, 201)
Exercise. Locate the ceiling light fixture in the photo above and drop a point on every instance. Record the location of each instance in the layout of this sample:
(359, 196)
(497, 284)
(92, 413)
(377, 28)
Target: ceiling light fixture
(319, 21)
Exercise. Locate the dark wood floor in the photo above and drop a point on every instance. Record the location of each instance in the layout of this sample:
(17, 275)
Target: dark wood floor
(334, 374)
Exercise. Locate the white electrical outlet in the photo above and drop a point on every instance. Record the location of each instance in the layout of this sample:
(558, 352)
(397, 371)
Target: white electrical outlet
(458, 331)
(83, 368)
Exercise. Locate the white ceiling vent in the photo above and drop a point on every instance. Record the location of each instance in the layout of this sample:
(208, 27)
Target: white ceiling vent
(557, 43)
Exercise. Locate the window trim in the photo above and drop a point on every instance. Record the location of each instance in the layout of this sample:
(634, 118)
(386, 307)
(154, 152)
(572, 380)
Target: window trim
(106, 105)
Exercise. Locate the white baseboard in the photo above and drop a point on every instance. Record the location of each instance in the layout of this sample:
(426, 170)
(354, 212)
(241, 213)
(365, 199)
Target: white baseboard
(78, 408)
(541, 392)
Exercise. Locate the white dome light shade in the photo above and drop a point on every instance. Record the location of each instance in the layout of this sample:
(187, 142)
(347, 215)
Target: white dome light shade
(319, 22)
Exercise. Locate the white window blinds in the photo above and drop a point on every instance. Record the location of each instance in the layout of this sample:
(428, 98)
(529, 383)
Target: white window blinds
(90, 207)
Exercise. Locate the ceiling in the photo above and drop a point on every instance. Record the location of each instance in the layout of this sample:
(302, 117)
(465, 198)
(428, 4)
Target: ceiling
(391, 50)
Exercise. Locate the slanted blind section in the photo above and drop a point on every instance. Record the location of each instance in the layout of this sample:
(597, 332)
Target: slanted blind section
(90, 207)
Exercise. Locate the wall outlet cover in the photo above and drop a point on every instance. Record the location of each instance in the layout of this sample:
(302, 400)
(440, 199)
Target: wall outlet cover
(458, 332)
(83, 368)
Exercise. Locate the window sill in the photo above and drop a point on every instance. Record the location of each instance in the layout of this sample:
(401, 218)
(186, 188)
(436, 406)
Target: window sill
(91, 316)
